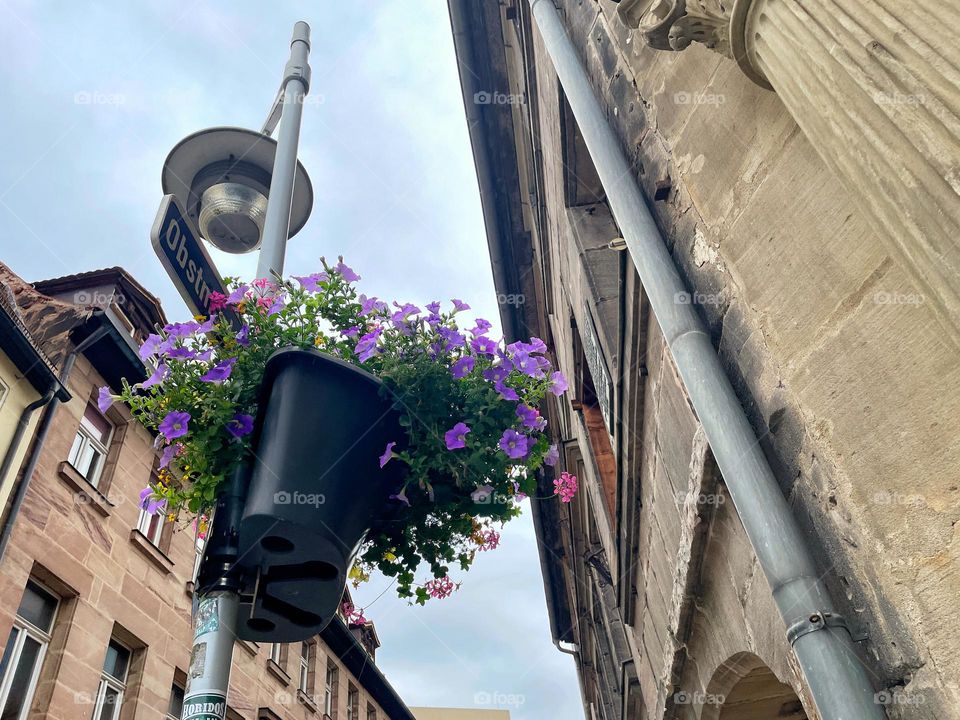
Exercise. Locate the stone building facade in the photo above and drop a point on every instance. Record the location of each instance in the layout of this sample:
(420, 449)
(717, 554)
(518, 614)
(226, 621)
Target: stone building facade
(800, 160)
(95, 596)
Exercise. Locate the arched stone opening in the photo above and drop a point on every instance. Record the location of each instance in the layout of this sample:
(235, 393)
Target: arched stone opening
(745, 688)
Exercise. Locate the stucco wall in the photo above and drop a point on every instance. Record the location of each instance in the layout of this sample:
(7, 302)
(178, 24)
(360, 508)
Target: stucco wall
(20, 394)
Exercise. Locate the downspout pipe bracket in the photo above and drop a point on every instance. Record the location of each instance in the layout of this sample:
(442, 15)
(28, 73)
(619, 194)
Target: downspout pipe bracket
(819, 621)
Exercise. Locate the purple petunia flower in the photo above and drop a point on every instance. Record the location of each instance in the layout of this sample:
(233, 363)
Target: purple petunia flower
(401, 496)
(481, 327)
(387, 454)
(496, 374)
(219, 372)
(240, 424)
(434, 307)
(558, 383)
(278, 304)
(367, 345)
(526, 364)
(150, 503)
(179, 330)
(105, 399)
(182, 353)
(175, 424)
(149, 346)
(506, 392)
(452, 339)
(205, 356)
(530, 416)
(169, 453)
(462, 367)
(346, 273)
(370, 304)
(514, 444)
(243, 336)
(311, 283)
(158, 376)
(537, 345)
(456, 437)
(484, 346)
(207, 326)
(238, 295)
(552, 456)
(459, 305)
(351, 332)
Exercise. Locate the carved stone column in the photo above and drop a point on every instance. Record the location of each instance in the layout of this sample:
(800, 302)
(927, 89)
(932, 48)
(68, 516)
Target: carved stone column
(874, 85)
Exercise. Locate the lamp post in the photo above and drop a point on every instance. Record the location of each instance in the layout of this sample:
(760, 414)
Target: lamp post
(242, 190)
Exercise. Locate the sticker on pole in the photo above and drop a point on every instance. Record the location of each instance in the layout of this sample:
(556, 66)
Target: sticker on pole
(208, 619)
(205, 706)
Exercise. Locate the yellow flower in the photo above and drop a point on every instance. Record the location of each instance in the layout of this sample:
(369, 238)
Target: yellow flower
(389, 556)
(200, 318)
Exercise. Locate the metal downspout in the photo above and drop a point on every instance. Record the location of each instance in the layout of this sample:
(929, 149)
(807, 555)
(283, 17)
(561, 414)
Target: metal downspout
(824, 648)
(45, 422)
(22, 424)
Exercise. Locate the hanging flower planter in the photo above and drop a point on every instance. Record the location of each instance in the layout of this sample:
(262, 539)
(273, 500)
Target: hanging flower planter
(317, 487)
(379, 437)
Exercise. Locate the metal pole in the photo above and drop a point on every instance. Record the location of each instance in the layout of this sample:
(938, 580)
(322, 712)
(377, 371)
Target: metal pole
(276, 225)
(823, 645)
(216, 607)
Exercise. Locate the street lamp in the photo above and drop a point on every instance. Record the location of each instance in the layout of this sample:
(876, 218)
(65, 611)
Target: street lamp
(222, 178)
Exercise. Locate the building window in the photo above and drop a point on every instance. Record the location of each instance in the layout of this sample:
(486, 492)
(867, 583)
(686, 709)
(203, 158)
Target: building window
(26, 646)
(4, 391)
(371, 712)
(308, 654)
(175, 707)
(276, 653)
(353, 703)
(113, 682)
(89, 451)
(330, 690)
(151, 525)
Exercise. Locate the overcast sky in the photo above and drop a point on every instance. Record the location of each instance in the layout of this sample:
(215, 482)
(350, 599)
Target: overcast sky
(93, 98)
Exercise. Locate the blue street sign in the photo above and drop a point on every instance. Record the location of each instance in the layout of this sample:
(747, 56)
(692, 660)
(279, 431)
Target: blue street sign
(184, 257)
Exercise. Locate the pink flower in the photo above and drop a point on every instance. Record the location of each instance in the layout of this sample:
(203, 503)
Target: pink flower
(439, 588)
(565, 486)
(490, 540)
(218, 301)
(263, 284)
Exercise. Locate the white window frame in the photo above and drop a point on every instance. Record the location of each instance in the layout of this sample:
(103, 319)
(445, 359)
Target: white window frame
(26, 629)
(371, 712)
(303, 681)
(353, 703)
(153, 533)
(276, 652)
(116, 684)
(329, 680)
(84, 441)
(200, 545)
(4, 392)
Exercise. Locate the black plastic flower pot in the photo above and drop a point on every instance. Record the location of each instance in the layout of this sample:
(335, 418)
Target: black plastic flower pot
(316, 489)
